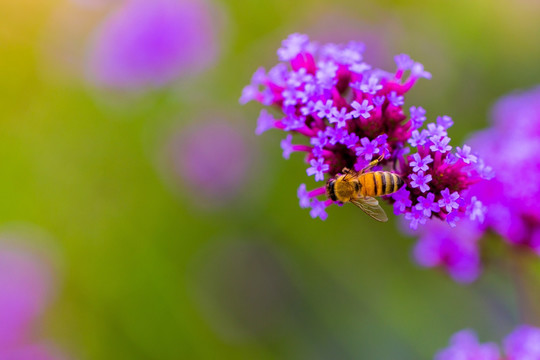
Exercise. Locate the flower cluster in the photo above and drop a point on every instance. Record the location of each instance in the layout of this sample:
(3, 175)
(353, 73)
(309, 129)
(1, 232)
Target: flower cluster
(146, 44)
(521, 344)
(26, 283)
(454, 249)
(438, 179)
(353, 113)
(511, 146)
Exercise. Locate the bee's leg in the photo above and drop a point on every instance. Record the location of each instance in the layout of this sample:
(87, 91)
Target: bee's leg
(372, 164)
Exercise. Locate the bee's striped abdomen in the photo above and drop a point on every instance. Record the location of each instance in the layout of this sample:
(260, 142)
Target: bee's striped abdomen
(379, 183)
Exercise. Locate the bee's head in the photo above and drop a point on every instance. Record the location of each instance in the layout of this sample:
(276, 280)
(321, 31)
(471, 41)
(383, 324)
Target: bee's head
(330, 192)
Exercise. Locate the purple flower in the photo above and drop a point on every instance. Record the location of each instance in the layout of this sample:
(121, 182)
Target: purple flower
(264, 122)
(401, 201)
(452, 218)
(151, 43)
(419, 163)
(419, 180)
(350, 140)
(336, 135)
(418, 138)
(449, 201)
(477, 210)
(360, 110)
(339, 117)
(368, 148)
(464, 345)
(445, 121)
(436, 130)
(326, 74)
(359, 68)
(318, 168)
(249, 93)
(303, 196)
(395, 99)
(287, 147)
(440, 144)
(351, 112)
(379, 100)
(293, 122)
(321, 140)
(523, 343)
(292, 46)
(372, 86)
(454, 249)
(418, 71)
(415, 217)
(465, 154)
(427, 204)
(318, 209)
(26, 286)
(418, 116)
(403, 61)
(324, 110)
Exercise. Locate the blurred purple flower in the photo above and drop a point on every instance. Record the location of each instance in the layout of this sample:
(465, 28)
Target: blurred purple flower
(521, 344)
(151, 43)
(464, 345)
(26, 283)
(511, 147)
(454, 249)
(352, 112)
(212, 160)
(506, 204)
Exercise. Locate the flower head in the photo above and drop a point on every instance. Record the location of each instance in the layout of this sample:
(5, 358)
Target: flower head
(151, 43)
(521, 344)
(464, 345)
(352, 113)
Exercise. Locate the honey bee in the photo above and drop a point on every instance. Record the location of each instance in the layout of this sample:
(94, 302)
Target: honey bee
(360, 188)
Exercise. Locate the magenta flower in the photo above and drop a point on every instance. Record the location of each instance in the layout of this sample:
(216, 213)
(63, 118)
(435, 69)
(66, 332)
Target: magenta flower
(352, 112)
(464, 345)
(512, 146)
(26, 283)
(453, 249)
(151, 43)
(521, 344)
(420, 180)
(318, 168)
(420, 164)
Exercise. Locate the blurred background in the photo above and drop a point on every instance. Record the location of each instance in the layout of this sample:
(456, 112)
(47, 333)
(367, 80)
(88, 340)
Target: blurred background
(141, 218)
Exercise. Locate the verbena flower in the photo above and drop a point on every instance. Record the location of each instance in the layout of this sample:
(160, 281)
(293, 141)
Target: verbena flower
(26, 283)
(152, 43)
(352, 113)
(464, 345)
(511, 146)
(453, 249)
(506, 204)
(521, 344)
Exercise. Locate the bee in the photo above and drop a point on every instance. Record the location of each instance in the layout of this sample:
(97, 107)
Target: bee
(360, 188)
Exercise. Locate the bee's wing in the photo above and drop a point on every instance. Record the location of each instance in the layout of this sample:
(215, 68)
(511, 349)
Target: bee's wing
(371, 207)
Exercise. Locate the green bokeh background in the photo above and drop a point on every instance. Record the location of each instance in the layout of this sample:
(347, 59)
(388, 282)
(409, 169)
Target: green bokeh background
(147, 273)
